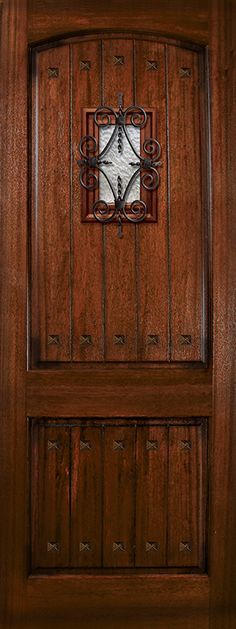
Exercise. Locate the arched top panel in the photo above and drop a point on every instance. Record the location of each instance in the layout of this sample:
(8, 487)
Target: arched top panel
(182, 19)
(119, 210)
(132, 34)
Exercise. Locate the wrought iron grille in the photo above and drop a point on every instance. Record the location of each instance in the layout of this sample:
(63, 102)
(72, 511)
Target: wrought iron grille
(93, 163)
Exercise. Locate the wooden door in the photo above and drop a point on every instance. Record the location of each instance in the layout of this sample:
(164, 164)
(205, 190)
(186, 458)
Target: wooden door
(113, 458)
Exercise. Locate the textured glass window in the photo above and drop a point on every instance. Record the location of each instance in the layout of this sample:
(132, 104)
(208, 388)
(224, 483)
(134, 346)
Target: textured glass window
(120, 163)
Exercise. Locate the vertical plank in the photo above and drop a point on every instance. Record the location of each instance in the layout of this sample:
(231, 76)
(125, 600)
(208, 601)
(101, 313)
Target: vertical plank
(119, 498)
(13, 281)
(120, 257)
(51, 206)
(186, 206)
(223, 434)
(151, 496)
(87, 237)
(86, 497)
(153, 294)
(186, 499)
(50, 496)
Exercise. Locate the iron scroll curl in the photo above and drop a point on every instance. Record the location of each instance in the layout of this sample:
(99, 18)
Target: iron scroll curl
(92, 164)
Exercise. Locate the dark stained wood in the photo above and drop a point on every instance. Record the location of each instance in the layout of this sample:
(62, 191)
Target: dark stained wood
(188, 318)
(185, 18)
(223, 437)
(186, 496)
(152, 249)
(168, 601)
(119, 497)
(86, 496)
(50, 496)
(128, 288)
(13, 443)
(119, 393)
(151, 495)
(87, 238)
(120, 260)
(51, 335)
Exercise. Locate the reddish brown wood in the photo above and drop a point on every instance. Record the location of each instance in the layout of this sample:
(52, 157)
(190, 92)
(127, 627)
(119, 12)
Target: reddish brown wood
(13, 220)
(86, 496)
(151, 496)
(185, 19)
(171, 601)
(186, 496)
(120, 272)
(119, 483)
(152, 250)
(51, 325)
(50, 497)
(87, 239)
(167, 601)
(119, 393)
(134, 308)
(188, 318)
(223, 436)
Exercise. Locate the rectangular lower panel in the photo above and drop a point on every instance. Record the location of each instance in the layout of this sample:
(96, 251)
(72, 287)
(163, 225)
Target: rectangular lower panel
(119, 494)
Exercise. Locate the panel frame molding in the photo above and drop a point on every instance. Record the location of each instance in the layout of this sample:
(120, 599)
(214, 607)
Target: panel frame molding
(205, 358)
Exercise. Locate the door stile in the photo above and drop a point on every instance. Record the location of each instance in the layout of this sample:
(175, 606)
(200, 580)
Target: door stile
(223, 437)
(13, 283)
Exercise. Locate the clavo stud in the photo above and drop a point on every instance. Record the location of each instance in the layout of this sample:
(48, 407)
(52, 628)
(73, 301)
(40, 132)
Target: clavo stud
(151, 65)
(118, 445)
(118, 60)
(185, 339)
(85, 339)
(53, 339)
(53, 547)
(185, 444)
(185, 72)
(53, 445)
(119, 339)
(84, 546)
(185, 547)
(152, 339)
(85, 65)
(53, 73)
(118, 546)
(152, 445)
(85, 445)
(152, 546)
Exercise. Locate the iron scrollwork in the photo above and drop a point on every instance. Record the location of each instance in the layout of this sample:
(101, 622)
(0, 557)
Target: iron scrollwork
(93, 162)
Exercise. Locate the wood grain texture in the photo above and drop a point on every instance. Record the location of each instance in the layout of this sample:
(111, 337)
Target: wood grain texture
(120, 259)
(186, 496)
(168, 602)
(88, 317)
(184, 18)
(59, 602)
(151, 495)
(188, 318)
(86, 496)
(50, 496)
(122, 297)
(13, 486)
(119, 393)
(223, 438)
(152, 245)
(119, 484)
(51, 256)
